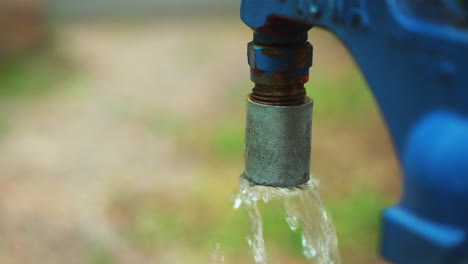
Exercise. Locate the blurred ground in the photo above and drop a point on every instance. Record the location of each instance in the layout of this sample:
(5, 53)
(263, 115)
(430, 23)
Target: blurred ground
(124, 145)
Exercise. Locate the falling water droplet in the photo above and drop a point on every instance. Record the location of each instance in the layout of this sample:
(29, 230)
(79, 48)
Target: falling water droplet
(237, 202)
(325, 216)
(292, 222)
(307, 249)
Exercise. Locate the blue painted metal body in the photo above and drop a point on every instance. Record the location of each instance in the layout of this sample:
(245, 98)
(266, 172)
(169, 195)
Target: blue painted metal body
(414, 55)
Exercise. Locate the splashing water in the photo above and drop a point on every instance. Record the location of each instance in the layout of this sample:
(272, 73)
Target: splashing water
(303, 207)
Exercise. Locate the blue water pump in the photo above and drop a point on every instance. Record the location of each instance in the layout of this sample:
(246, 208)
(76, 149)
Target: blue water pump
(414, 56)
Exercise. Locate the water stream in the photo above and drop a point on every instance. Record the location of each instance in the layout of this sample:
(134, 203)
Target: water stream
(303, 208)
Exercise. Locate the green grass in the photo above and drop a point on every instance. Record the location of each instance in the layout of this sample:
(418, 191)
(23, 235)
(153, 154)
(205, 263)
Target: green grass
(357, 218)
(345, 98)
(228, 142)
(98, 254)
(28, 77)
(146, 223)
(31, 75)
(231, 232)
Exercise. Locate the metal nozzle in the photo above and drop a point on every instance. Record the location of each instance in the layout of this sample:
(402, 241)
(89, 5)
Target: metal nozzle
(278, 144)
(279, 114)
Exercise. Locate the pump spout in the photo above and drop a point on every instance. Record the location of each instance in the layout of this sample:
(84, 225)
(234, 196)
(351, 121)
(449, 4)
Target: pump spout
(278, 143)
(279, 114)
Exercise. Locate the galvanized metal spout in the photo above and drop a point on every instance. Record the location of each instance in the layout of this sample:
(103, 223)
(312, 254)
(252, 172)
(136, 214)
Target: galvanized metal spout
(278, 144)
(279, 114)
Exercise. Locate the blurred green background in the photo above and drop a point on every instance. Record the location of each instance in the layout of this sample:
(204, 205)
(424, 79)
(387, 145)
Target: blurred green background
(122, 128)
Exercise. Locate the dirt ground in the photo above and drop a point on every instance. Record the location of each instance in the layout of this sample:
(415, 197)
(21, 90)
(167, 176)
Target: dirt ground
(137, 118)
